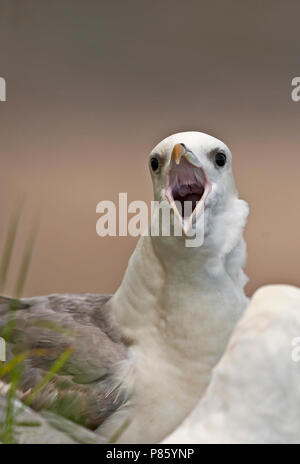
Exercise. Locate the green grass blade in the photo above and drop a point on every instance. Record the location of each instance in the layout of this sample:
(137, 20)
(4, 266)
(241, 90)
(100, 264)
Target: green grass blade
(116, 435)
(25, 263)
(9, 245)
(8, 435)
(12, 364)
(50, 374)
(9, 366)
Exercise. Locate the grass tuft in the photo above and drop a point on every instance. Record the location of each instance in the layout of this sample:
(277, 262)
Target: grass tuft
(12, 369)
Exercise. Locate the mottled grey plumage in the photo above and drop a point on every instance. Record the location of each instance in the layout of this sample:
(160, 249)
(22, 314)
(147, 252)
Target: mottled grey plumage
(83, 390)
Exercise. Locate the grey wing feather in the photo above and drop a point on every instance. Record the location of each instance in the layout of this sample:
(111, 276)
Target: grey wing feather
(48, 325)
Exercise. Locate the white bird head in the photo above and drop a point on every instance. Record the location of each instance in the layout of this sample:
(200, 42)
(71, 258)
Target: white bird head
(192, 178)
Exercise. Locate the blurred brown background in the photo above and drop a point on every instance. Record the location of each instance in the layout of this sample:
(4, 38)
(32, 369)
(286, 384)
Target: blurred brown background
(93, 85)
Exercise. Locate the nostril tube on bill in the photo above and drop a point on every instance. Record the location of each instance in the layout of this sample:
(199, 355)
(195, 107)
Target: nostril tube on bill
(178, 150)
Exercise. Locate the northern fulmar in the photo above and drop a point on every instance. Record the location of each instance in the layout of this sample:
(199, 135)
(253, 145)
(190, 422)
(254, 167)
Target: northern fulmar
(143, 357)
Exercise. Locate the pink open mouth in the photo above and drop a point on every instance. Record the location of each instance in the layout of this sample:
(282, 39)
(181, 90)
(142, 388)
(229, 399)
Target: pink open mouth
(187, 187)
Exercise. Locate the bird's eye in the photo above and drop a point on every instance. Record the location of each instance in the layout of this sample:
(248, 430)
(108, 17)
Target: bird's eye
(220, 159)
(154, 164)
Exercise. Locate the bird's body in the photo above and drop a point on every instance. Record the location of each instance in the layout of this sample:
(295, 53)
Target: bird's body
(254, 394)
(147, 353)
(178, 331)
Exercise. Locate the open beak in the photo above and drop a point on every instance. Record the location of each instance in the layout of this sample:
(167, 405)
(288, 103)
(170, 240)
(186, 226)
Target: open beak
(187, 186)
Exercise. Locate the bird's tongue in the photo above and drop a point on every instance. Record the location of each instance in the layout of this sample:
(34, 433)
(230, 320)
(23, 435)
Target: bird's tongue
(189, 189)
(188, 195)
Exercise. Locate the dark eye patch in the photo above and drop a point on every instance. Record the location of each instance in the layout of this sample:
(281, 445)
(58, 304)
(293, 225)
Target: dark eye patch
(154, 163)
(220, 159)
